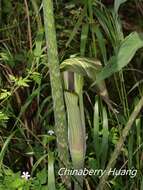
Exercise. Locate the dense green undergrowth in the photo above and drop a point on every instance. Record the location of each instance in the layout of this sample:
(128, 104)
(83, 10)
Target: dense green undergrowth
(71, 99)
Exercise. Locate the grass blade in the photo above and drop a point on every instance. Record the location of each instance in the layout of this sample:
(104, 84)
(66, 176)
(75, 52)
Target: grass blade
(84, 36)
(120, 143)
(96, 129)
(101, 42)
(76, 28)
(4, 148)
(51, 175)
(105, 133)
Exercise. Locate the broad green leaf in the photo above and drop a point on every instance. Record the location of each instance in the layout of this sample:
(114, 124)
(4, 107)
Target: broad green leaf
(117, 4)
(127, 50)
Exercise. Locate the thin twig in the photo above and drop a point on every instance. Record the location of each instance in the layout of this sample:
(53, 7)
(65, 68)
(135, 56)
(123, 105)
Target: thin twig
(87, 185)
(29, 26)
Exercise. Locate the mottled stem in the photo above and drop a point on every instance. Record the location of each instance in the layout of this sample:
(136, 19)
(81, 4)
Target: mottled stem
(56, 83)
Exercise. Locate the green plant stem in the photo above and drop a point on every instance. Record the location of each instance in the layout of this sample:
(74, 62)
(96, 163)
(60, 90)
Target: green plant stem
(76, 135)
(51, 176)
(120, 144)
(56, 84)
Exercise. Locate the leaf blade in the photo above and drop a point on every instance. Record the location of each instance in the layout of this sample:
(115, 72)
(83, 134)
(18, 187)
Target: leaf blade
(126, 52)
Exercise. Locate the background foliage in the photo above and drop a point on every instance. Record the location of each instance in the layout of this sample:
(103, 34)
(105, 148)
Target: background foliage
(101, 43)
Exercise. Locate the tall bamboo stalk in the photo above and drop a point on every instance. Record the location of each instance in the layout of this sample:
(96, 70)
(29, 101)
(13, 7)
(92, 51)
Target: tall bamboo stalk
(56, 84)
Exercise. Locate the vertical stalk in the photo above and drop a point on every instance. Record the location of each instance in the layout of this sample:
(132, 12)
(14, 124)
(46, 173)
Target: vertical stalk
(120, 144)
(28, 25)
(51, 175)
(56, 84)
(76, 136)
(1, 13)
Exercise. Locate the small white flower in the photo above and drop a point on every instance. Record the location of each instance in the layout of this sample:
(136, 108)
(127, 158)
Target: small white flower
(50, 132)
(25, 175)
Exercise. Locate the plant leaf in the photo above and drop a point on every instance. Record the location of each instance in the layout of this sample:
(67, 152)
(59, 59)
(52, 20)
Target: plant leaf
(3, 116)
(4, 94)
(117, 4)
(4, 148)
(76, 28)
(83, 66)
(84, 36)
(105, 133)
(126, 52)
(96, 128)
